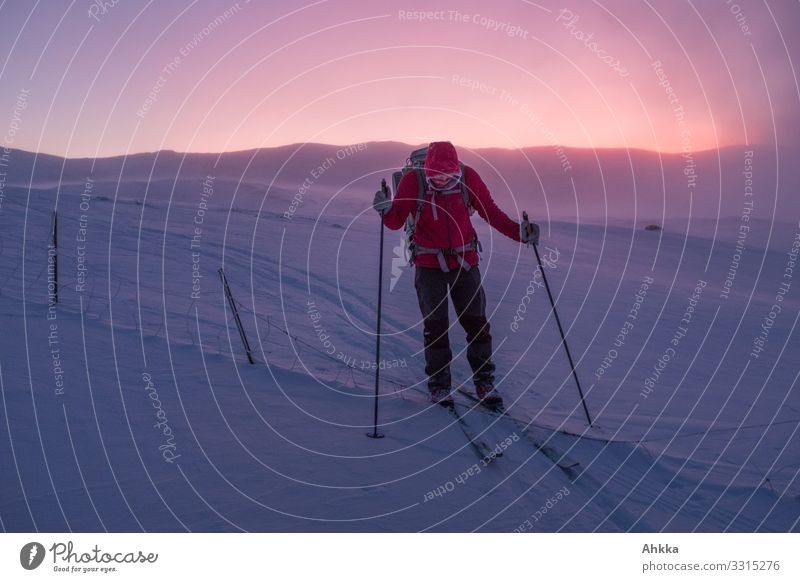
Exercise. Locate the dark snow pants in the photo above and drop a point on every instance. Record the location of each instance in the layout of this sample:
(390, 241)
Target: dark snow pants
(469, 301)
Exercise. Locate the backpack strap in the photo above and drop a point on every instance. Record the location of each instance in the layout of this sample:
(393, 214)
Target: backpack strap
(422, 186)
(470, 208)
(464, 191)
(456, 252)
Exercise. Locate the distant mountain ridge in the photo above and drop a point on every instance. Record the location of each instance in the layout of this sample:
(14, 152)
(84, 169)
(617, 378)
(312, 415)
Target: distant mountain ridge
(566, 182)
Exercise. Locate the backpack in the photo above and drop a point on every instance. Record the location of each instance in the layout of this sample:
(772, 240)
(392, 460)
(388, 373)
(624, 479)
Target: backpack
(416, 163)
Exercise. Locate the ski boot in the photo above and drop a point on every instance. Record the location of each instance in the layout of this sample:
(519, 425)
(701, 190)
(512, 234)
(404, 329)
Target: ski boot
(442, 397)
(488, 396)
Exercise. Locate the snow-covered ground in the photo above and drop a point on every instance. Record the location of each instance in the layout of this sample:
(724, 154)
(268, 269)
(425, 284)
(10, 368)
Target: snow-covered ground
(131, 405)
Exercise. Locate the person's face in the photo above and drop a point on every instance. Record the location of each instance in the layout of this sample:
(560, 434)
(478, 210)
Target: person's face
(441, 180)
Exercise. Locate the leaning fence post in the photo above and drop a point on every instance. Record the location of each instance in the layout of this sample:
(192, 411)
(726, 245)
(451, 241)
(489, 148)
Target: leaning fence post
(235, 311)
(54, 252)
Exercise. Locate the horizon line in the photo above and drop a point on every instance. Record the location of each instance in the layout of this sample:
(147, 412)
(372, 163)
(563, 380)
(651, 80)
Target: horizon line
(299, 145)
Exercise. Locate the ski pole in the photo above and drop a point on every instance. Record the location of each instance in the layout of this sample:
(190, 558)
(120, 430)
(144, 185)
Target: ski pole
(375, 434)
(560, 329)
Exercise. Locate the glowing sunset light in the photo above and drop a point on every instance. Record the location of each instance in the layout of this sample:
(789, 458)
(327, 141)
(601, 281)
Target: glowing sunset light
(223, 76)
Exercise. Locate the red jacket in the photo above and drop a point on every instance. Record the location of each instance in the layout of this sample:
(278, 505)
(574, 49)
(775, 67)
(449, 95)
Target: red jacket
(452, 228)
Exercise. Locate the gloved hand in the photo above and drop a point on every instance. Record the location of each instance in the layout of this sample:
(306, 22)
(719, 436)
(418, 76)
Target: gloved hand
(528, 231)
(382, 201)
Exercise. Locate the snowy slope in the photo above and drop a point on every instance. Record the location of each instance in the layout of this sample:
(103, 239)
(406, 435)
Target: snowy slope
(162, 425)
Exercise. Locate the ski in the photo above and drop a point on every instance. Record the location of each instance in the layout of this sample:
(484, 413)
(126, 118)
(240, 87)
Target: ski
(487, 453)
(561, 460)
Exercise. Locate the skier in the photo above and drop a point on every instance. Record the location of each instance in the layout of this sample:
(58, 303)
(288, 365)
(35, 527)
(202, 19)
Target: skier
(445, 256)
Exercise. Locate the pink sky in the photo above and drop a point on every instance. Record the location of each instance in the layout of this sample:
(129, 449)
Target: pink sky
(509, 73)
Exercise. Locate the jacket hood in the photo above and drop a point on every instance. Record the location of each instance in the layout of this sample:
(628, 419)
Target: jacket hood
(441, 159)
